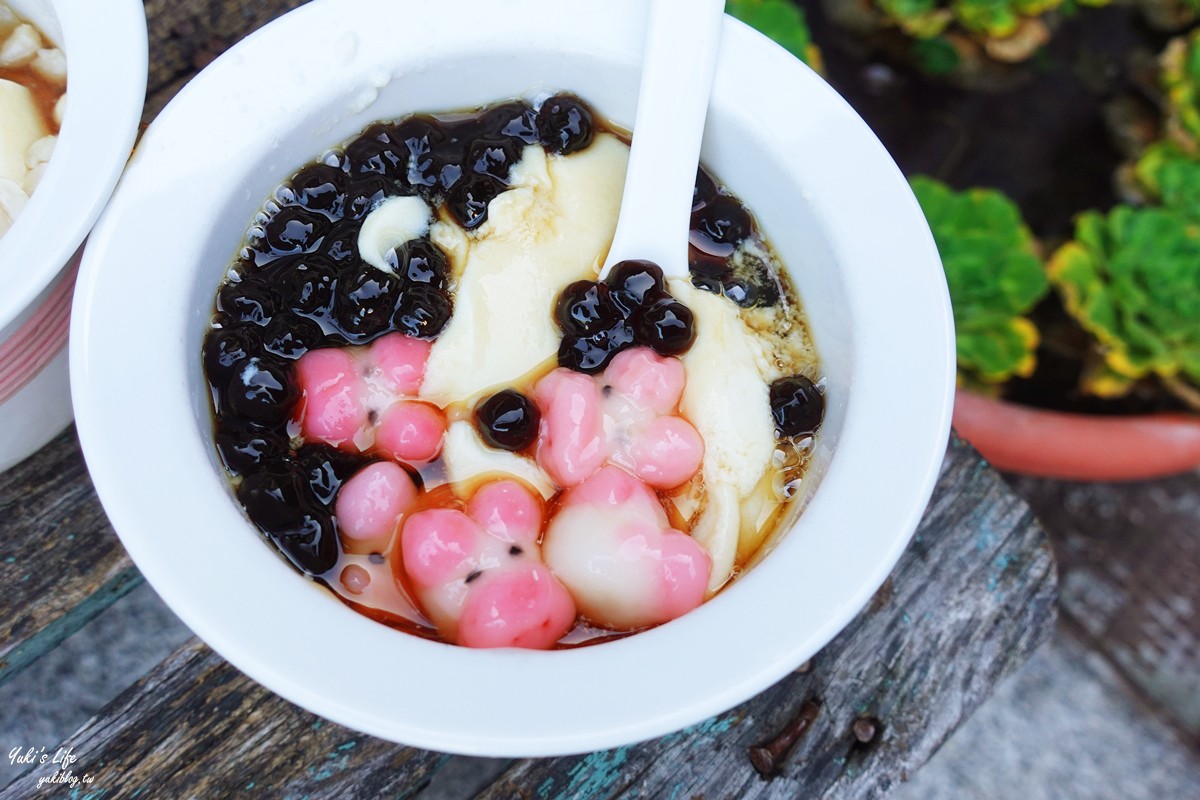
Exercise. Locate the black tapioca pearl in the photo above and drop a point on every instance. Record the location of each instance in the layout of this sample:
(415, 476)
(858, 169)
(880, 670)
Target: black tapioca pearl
(295, 230)
(311, 286)
(507, 420)
(312, 546)
(250, 301)
(565, 124)
(460, 132)
(376, 151)
(708, 284)
(635, 283)
(340, 245)
(418, 136)
(422, 262)
(700, 263)
(668, 327)
(720, 226)
(245, 446)
(494, 158)
(797, 405)
(516, 121)
(750, 293)
(261, 391)
(226, 351)
(585, 308)
(319, 187)
(364, 194)
(277, 500)
(741, 292)
(752, 283)
(590, 354)
(423, 311)
(365, 302)
(451, 152)
(290, 336)
(326, 469)
(468, 202)
(274, 497)
(705, 190)
(450, 175)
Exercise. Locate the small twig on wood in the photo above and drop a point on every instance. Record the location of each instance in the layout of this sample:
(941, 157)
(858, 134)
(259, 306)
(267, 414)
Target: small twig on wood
(768, 758)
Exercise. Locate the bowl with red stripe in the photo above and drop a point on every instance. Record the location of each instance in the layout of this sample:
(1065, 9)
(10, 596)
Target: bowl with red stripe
(106, 56)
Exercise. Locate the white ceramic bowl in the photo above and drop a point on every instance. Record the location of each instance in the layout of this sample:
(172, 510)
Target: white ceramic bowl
(105, 44)
(827, 195)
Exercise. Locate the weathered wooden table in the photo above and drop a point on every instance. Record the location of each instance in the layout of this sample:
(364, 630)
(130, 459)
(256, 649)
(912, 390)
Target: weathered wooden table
(968, 602)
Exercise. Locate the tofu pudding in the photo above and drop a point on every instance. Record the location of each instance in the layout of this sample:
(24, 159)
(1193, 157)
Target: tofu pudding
(427, 400)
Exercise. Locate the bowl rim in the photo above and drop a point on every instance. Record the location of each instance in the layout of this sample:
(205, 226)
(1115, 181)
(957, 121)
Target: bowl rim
(106, 94)
(261, 647)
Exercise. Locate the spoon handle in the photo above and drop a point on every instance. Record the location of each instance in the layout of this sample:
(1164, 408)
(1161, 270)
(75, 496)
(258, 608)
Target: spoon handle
(682, 39)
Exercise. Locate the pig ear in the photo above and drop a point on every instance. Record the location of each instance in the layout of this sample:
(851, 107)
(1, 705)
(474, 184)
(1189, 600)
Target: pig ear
(649, 380)
(411, 431)
(334, 397)
(508, 511)
(370, 504)
(570, 443)
(667, 453)
(400, 361)
(439, 545)
(517, 608)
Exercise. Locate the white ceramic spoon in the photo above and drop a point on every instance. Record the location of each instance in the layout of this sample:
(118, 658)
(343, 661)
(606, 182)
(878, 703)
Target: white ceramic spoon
(682, 38)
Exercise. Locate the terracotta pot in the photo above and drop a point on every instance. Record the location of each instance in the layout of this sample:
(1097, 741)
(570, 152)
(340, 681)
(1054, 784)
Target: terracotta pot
(1083, 447)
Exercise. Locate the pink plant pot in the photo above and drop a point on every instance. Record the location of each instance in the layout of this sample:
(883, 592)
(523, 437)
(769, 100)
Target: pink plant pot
(1080, 447)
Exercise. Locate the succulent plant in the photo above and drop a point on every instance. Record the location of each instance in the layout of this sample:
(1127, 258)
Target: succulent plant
(783, 21)
(1131, 278)
(1181, 82)
(995, 278)
(1170, 15)
(953, 36)
(1169, 176)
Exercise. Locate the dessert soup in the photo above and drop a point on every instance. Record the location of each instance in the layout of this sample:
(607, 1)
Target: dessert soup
(427, 400)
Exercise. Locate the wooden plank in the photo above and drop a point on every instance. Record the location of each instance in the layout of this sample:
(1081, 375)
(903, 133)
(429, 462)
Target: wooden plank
(59, 559)
(1129, 557)
(196, 727)
(60, 562)
(969, 601)
(977, 582)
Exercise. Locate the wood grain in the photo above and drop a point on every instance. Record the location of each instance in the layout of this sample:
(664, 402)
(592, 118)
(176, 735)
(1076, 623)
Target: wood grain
(1129, 554)
(186, 36)
(196, 727)
(60, 562)
(968, 602)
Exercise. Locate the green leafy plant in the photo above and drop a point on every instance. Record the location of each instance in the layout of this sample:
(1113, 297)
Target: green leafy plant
(1131, 278)
(783, 21)
(951, 33)
(1170, 176)
(995, 278)
(1181, 83)
(997, 18)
